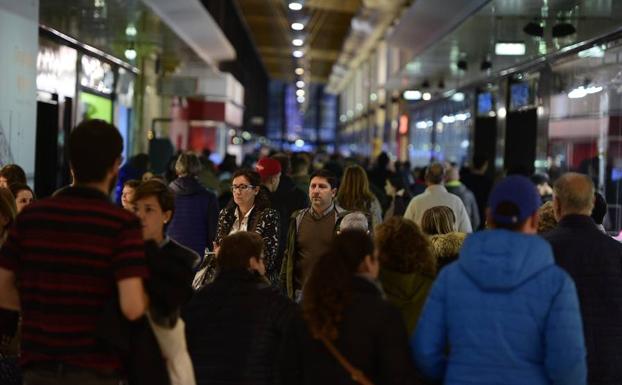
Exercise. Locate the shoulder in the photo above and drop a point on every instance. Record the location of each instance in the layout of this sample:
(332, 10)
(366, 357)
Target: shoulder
(188, 255)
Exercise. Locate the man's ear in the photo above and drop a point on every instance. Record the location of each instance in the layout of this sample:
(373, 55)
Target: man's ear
(334, 192)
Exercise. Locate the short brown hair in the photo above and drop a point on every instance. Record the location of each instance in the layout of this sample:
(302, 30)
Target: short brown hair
(163, 194)
(94, 147)
(13, 174)
(238, 248)
(403, 247)
(132, 183)
(7, 207)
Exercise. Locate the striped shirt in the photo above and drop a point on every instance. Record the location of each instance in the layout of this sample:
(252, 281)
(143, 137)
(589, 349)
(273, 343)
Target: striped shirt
(67, 253)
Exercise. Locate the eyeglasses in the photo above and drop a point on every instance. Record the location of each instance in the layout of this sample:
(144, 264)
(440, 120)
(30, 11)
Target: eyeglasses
(241, 187)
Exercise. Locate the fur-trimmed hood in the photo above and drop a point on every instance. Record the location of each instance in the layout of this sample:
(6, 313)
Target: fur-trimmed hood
(446, 247)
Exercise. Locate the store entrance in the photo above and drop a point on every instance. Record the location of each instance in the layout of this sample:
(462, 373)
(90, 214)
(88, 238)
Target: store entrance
(521, 131)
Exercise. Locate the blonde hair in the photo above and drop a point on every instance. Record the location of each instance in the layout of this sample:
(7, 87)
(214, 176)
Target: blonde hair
(438, 220)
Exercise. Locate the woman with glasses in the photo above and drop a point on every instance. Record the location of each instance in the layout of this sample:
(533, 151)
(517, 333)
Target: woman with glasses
(249, 210)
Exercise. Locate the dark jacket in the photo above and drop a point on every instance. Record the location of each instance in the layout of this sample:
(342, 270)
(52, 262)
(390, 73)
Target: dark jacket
(468, 198)
(234, 329)
(196, 215)
(480, 186)
(594, 261)
(509, 315)
(286, 200)
(372, 337)
(264, 222)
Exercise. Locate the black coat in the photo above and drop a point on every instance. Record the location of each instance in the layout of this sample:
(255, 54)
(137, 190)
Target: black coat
(594, 261)
(234, 329)
(372, 336)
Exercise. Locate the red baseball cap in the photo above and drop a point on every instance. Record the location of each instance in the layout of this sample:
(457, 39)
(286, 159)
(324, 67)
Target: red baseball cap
(267, 167)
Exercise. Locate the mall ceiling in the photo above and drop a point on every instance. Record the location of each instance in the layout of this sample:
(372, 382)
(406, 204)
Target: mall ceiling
(327, 23)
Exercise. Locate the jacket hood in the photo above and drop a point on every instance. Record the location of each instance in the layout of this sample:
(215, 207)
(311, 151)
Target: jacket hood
(502, 259)
(404, 288)
(186, 186)
(447, 245)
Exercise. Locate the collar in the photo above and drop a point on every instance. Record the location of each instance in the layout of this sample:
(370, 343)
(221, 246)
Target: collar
(453, 183)
(237, 212)
(164, 242)
(324, 213)
(435, 188)
(577, 221)
(82, 192)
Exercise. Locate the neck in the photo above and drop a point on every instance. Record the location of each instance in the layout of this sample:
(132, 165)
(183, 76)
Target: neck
(100, 186)
(245, 209)
(320, 210)
(158, 239)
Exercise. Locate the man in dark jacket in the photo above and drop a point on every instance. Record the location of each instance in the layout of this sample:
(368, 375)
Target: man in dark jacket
(594, 260)
(478, 181)
(234, 325)
(454, 186)
(196, 208)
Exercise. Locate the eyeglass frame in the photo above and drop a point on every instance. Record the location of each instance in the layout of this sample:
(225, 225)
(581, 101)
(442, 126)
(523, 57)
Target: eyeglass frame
(241, 187)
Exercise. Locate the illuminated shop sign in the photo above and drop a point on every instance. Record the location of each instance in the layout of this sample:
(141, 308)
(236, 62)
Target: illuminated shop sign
(96, 75)
(56, 69)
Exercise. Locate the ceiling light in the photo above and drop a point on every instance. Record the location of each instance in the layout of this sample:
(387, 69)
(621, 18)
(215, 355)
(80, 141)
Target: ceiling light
(130, 54)
(412, 95)
(427, 96)
(298, 53)
(534, 29)
(300, 92)
(300, 99)
(510, 49)
(502, 112)
(458, 97)
(299, 71)
(563, 29)
(596, 52)
(297, 42)
(298, 26)
(295, 6)
(300, 84)
(130, 30)
(593, 89)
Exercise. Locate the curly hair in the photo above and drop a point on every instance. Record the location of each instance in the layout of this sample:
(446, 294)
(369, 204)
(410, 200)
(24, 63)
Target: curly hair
(438, 220)
(354, 193)
(328, 290)
(547, 221)
(404, 248)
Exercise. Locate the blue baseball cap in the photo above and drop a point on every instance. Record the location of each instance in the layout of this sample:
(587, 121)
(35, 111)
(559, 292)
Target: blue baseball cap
(518, 190)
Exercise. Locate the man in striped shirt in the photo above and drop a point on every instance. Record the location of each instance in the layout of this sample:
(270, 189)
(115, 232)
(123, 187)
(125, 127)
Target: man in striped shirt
(66, 258)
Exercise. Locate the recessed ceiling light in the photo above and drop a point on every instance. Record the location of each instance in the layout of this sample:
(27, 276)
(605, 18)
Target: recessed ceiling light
(510, 49)
(300, 99)
(426, 96)
(297, 42)
(294, 6)
(300, 92)
(299, 71)
(298, 53)
(298, 26)
(300, 84)
(412, 95)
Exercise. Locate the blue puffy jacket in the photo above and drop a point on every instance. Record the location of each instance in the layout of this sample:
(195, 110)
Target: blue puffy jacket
(504, 313)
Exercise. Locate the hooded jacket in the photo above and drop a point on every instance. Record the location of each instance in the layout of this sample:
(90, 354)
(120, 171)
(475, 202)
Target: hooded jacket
(446, 247)
(196, 214)
(508, 314)
(467, 197)
(407, 292)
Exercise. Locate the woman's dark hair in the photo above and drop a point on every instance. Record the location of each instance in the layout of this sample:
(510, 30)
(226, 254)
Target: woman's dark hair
(329, 287)
(397, 181)
(8, 209)
(238, 248)
(404, 248)
(163, 194)
(17, 187)
(13, 174)
(262, 200)
(132, 183)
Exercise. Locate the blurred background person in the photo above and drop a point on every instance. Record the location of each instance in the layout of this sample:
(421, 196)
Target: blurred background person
(454, 186)
(10, 373)
(343, 310)
(407, 266)
(250, 210)
(354, 194)
(127, 194)
(544, 188)
(398, 195)
(23, 195)
(446, 242)
(547, 220)
(194, 224)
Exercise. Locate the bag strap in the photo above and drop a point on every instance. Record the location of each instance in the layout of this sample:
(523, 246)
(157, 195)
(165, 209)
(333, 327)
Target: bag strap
(357, 375)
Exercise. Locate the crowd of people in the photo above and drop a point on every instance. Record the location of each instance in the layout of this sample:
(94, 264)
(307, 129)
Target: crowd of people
(295, 269)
